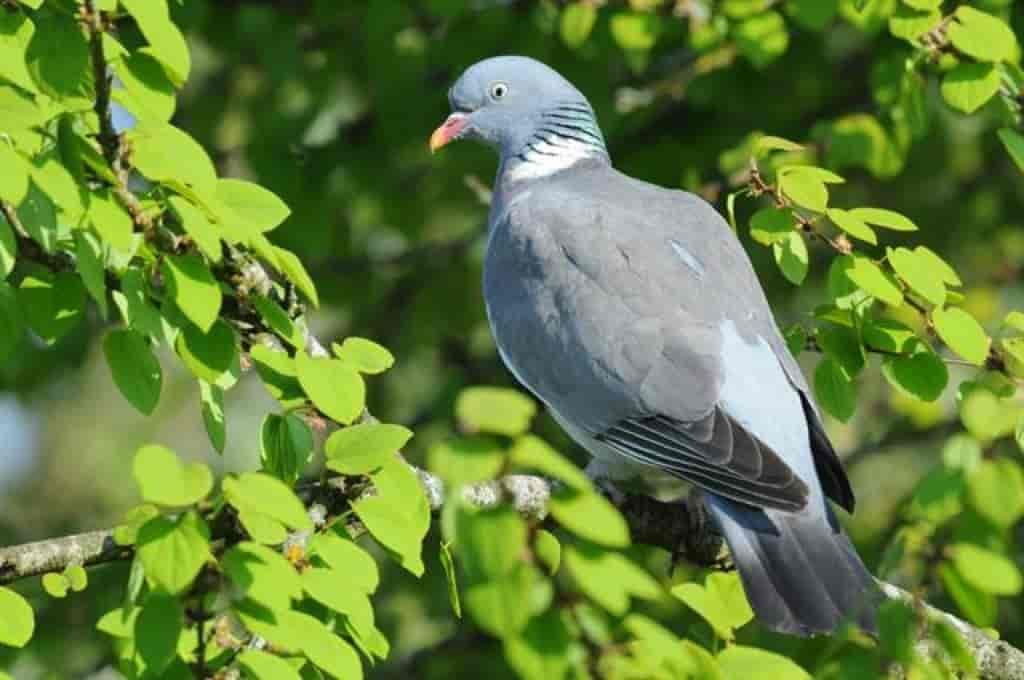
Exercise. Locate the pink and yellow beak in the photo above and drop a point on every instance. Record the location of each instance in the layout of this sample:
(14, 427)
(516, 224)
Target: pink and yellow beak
(448, 130)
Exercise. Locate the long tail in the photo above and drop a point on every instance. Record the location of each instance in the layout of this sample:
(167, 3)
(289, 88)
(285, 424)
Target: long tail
(800, 572)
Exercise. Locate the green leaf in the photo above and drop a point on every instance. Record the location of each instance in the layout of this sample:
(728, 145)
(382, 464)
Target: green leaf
(983, 414)
(466, 460)
(55, 585)
(918, 273)
(896, 630)
(193, 289)
(767, 143)
(292, 267)
(986, 570)
(16, 31)
(843, 345)
(875, 282)
(323, 647)
(360, 449)
(76, 577)
(133, 302)
(835, 391)
(211, 404)
(340, 552)
(720, 601)
(771, 225)
(609, 578)
(52, 304)
(127, 532)
(969, 86)
(110, 221)
(210, 355)
(89, 258)
(448, 566)
(333, 386)
(490, 542)
(11, 325)
(393, 529)
(173, 551)
(534, 454)
(278, 320)
(495, 410)
(286, 446)
(167, 44)
(261, 209)
(981, 35)
(762, 38)
(135, 369)
(910, 25)
(38, 215)
(589, 515)
(848, 222)
(796, 339)
(885, 218)
(962, 334)
(576, 23)
(277, 370)
(8, 249)
(543, 649)
(164, 480)
(497, 606)
(888, 335)
(58, 60)
(792, 258)
(262, 575)
(157, 630)
(804, 186)
(364, 355)
(330, 588)
(148, 91)
(548, 550)
(119, 622)
(953, 644)
(979, 607)
(922, 375)
(635, 30)
(198, 226)
(18, 622)
(170, 156)
(996, 490)
(269, 496)
(938, 266)
(739, 662)
(265, 666)
(1011, 139)
(14, 173)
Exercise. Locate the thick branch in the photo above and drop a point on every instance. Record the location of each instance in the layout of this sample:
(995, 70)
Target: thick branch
(668, 525)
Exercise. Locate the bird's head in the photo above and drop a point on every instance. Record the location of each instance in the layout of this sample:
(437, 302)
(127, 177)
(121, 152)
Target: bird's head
(510, 103)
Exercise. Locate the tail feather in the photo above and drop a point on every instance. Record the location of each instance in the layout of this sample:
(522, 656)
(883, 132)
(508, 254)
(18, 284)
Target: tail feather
(800, 571)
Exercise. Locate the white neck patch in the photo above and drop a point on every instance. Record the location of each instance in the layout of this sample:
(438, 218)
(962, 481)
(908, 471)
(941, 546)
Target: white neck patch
(547, 157)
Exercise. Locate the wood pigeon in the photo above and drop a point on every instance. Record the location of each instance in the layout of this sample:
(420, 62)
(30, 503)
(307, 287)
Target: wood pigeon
(633, 313)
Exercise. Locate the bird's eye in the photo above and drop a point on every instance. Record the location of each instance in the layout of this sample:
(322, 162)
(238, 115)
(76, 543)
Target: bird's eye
(499, 90)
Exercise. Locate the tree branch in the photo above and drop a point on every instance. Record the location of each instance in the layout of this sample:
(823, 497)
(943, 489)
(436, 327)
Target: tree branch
(667, 525)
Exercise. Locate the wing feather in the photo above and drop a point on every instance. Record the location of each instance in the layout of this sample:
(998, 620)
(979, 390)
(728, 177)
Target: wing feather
(715, 453)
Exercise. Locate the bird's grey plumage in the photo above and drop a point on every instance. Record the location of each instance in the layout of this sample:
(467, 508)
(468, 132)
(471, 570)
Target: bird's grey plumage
(634, 314)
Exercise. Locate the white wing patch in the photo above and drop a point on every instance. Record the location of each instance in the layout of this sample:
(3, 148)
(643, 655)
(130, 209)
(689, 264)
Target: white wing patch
(758, 395)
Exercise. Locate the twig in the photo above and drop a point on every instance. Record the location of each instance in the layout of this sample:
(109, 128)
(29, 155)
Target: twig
(111, 143)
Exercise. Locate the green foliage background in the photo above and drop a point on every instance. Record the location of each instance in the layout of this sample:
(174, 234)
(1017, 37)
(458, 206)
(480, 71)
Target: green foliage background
(327, 104)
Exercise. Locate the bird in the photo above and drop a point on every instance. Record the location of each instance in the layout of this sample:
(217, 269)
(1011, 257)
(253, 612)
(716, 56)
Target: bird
(634, 314)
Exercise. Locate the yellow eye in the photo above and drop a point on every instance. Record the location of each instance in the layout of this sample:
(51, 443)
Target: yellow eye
(499, 90)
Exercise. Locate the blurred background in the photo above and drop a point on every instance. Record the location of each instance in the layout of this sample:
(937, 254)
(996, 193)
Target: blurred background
(329, 103)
